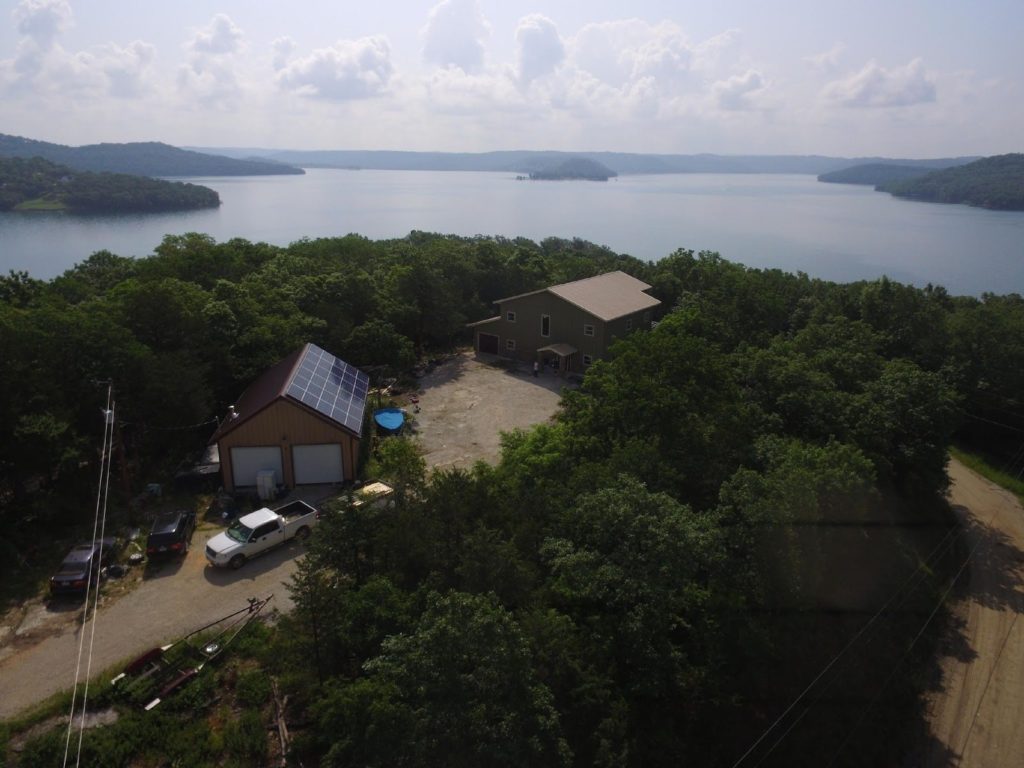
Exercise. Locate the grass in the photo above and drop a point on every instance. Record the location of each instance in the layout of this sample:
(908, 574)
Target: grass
(982, 467)
(40, 204)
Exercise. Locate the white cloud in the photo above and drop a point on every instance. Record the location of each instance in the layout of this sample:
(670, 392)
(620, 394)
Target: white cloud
(826, 61)
(42, 21)
(455, 35)
(351, 69)
(735, 93)
(218, 37)
(283, 47)
(210, 75)
(539, 48)
(42, 67)
(875, 86)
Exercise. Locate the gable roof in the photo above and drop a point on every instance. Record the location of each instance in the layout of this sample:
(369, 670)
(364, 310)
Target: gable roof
(311, 378)
(606, 296)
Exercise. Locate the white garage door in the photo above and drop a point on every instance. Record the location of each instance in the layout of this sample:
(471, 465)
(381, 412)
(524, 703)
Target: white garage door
(317, 463)
(247, 462)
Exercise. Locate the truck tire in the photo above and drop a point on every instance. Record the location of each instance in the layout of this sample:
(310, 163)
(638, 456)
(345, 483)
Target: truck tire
(237, 562)
(303, 533)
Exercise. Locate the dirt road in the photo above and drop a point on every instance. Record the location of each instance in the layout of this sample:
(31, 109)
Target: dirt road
(150, 615)
(977, 717)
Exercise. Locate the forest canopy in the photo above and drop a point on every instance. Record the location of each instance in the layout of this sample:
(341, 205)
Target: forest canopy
(629, 582)
(36, 184)
(992, 182)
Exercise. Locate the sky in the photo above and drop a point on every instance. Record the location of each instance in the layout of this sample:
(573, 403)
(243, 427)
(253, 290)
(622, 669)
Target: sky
(896, 78)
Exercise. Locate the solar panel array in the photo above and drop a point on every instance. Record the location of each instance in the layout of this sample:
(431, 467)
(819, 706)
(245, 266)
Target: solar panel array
(331, 386)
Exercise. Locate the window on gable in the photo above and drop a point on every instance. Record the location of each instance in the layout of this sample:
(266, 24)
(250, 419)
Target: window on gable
(545, 325)
(510, 316)
(588, 330)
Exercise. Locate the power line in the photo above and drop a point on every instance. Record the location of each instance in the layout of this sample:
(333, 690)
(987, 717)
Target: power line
(920, 572)
(96, 596)
(860, 633)
(108, 432)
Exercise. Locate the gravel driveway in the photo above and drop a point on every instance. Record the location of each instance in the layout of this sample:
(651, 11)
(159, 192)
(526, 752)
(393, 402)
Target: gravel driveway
(464, 406)
(466, 403)
(172, 601)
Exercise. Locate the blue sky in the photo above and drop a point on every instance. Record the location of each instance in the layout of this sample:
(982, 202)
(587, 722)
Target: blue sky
(897, 78)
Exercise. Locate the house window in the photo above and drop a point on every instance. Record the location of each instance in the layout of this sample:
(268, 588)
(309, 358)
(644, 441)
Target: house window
(647, 317)
(510, 316)
(510, 345)
(629, 323)
(545, 325)
(588, 330)
(587, 359)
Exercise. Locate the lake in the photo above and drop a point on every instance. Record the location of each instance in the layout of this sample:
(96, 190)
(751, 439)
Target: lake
(792, 222)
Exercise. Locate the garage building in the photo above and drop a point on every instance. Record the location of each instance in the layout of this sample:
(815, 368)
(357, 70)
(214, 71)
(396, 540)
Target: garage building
(301, 419)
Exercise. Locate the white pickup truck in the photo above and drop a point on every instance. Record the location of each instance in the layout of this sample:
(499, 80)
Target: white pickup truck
(255, 533)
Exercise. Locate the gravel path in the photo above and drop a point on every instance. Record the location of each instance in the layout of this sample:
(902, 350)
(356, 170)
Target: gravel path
(975, 719)
(156, 612)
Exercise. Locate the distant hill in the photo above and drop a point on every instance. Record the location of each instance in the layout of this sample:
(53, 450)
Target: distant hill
(873, 174)
(140, 158)
(39, 185)
(992, 182)
(575, 168)
(528, 161)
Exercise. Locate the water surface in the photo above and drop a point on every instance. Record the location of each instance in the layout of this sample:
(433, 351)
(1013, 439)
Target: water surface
(792, 222)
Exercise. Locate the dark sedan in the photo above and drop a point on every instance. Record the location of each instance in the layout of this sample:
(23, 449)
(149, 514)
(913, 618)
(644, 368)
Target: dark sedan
(81, 562)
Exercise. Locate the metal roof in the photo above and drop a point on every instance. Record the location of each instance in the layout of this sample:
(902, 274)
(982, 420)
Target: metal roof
(606, 296)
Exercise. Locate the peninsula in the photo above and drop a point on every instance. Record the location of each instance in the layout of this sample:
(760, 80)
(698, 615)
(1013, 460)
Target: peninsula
(141, 158)
(38, 185)
(993, 182)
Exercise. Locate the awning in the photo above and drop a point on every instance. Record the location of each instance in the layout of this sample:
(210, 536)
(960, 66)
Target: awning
(561, 349)
(478, 323)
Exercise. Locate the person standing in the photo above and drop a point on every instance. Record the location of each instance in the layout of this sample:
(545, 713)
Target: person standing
(536, 369)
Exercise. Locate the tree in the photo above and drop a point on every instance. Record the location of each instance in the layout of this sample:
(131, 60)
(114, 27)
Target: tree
(459, 690)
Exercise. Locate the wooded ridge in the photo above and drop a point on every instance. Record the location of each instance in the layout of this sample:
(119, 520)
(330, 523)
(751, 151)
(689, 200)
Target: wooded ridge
(39, 185)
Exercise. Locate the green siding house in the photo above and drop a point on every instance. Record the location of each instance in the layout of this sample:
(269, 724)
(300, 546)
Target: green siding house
(568, 325)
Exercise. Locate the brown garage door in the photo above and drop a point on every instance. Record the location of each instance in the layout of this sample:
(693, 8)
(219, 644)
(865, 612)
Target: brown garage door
(488, 343)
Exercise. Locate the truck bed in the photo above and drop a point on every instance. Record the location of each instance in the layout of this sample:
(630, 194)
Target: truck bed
(295, 509)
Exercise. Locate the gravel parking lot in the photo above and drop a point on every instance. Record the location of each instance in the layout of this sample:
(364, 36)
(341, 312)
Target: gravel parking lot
(467, 403)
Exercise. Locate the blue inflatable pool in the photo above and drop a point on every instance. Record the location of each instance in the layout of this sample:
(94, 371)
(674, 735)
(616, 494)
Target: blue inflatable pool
(389, 420)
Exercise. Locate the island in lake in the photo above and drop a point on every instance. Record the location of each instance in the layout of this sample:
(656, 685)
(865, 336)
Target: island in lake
(36, 184)
(575, 168)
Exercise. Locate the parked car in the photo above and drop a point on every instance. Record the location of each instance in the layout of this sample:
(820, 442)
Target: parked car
(82, 561)
(171, 534)
(260, 531)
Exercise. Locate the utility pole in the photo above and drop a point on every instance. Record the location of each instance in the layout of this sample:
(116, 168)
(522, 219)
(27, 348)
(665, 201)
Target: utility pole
(125, 479)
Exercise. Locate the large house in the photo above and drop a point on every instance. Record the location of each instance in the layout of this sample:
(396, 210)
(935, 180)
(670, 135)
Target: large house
(568, 325)
(302, 420)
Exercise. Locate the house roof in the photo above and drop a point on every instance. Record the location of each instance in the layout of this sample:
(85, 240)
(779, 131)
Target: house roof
(312, 379)
(606, 296)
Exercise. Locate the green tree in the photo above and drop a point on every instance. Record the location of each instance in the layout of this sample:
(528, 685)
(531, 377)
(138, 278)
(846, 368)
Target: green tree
(459, 690)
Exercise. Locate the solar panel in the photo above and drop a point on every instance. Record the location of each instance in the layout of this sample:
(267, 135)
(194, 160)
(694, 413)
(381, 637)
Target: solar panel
(330, 386)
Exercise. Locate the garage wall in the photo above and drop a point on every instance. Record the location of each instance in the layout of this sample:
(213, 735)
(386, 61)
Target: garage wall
(286, 424)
